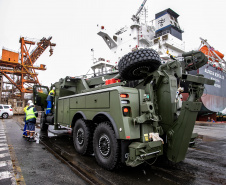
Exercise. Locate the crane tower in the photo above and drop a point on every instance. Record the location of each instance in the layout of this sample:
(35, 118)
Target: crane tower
(19, 68)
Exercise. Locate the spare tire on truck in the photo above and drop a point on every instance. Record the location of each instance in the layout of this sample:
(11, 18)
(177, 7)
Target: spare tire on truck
(135, 65)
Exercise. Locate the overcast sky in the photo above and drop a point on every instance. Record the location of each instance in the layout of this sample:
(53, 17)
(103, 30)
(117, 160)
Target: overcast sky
(73, 26)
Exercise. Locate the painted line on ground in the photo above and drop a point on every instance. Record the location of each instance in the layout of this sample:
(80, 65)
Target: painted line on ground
(4, 155)
(16, 173)
(3, 144)
(5, 163)
(5, 175)
(3, 149)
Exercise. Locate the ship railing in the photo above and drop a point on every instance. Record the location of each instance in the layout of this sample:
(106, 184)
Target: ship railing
(99, 73)
(167, 41)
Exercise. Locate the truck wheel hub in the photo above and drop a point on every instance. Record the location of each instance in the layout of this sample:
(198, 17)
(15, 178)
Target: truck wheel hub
(80, 136)
(104, 145)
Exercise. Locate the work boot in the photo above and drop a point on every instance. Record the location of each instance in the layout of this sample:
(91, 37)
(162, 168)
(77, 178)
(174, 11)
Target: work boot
(28, 138)
(32, 139)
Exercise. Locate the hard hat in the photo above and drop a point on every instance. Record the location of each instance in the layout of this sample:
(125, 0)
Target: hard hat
(29, 101)
(31, 104)
(53, 88)
(181, 89)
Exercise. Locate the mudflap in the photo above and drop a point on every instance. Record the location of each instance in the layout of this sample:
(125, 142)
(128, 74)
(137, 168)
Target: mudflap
(125, 149)
(50, 118)
(139, 152)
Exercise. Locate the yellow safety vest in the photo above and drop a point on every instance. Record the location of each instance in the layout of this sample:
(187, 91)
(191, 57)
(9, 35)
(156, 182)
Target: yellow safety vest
(25, 109)
(52, 91)
(30, 114)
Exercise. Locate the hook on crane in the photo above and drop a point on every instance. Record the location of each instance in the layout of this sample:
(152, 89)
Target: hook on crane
(50, 51)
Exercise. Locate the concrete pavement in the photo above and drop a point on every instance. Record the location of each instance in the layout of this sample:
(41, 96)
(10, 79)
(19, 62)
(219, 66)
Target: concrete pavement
(32, 164)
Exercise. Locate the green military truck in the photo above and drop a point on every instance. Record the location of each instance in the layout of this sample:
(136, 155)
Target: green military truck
(129, 115)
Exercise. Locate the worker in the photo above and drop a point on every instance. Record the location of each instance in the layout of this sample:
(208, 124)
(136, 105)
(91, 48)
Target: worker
(50, 100)
(179, 95)
(179, 98)
(25, 123)
(212, 120)
(31, 114)
(208, 119)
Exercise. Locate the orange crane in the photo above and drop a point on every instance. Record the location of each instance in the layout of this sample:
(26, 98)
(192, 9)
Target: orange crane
(22, 67)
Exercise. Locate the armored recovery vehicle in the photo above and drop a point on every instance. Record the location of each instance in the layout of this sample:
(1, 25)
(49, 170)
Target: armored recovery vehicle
(129, 115)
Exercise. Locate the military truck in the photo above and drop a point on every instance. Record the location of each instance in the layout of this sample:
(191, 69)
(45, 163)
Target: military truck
(130, 115)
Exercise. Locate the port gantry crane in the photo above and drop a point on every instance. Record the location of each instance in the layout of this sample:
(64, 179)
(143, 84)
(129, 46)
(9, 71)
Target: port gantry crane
(22, 67)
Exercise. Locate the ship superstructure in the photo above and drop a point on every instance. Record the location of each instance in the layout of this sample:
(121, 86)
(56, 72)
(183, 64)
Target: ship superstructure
(162, 34)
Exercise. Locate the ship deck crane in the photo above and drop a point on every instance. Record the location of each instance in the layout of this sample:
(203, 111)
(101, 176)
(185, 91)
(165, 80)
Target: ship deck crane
(214, 56)
(136, 17)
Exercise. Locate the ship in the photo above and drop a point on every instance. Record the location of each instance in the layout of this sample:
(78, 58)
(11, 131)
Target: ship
(214, 97)
(164, 34)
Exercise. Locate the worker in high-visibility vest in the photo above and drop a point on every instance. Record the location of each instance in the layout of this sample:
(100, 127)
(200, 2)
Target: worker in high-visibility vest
(49, 100)
(25, 123)
(31, 114)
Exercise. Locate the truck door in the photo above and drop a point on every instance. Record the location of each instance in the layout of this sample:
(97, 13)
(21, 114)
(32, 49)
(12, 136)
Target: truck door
(40, 94)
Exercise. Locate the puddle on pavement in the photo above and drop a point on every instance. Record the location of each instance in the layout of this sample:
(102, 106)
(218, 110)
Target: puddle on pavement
(206, 138)
(53, 133)
(62, 143)
(221, 125)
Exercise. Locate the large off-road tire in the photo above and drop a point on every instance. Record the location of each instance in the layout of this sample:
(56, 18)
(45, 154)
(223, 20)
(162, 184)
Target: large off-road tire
(105, 146)
(133, 65)
(43, 125)
(82, 137)
(5, 115)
